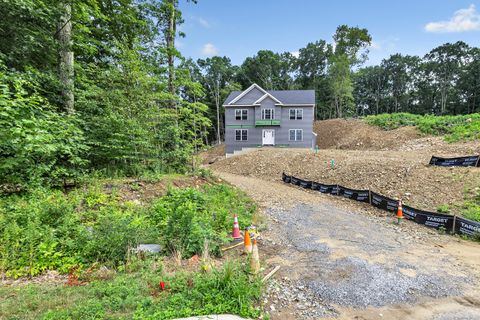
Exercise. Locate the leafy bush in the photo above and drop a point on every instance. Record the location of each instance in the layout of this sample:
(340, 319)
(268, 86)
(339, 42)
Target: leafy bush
(188, 216)
(50, 230)
(37, 144)
(455, 128)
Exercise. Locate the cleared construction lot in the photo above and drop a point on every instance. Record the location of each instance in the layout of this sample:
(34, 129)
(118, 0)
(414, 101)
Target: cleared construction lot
(394, 163)
(347, 260)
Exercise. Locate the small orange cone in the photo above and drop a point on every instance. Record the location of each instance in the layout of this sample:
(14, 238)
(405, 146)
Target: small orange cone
(247, 242)
(236, 229)
(399, 211)
(254, 259)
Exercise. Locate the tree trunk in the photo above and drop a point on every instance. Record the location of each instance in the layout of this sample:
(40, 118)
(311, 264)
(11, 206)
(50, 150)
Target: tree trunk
(217, 102)
(171, 46)
(65, 57)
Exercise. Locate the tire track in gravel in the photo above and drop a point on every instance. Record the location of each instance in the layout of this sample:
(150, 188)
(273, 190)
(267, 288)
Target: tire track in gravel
(354, 263)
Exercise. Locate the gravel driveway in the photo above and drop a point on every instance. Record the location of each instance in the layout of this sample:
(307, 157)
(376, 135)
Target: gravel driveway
(346, 260)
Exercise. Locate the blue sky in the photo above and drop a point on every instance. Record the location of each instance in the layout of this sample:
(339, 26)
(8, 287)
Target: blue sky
(239, 28)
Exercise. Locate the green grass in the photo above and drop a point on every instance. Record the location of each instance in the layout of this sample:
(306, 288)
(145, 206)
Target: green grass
(471, 206)
(454, 128)
(137, 295)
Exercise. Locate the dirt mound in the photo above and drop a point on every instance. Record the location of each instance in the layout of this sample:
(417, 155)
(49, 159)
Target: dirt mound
(354, 134)
(212, 154)
(398, 174)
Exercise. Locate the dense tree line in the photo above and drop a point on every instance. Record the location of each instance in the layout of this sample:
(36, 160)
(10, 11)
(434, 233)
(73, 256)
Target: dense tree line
(94, 84)
(445, 81)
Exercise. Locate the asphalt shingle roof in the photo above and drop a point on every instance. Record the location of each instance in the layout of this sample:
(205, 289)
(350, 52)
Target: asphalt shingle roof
(285, 96)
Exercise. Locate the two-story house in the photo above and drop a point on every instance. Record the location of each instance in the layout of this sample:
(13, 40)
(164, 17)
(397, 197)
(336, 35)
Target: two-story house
(257, 117)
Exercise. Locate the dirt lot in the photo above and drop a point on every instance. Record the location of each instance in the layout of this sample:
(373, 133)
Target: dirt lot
(393, 163)
(346, 260)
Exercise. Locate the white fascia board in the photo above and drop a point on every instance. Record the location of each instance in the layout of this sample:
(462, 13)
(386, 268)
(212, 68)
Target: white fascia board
(269, 96)
(247, 91)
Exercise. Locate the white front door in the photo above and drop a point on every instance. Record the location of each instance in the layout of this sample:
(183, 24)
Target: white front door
(268, 137)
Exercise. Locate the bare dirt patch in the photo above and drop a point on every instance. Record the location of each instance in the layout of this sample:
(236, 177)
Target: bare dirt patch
(213, 154)
(354, 134)
(397, 174)
(143, 191)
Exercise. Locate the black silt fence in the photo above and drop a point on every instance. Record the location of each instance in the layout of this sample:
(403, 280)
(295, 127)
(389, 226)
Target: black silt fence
(470, 161)
(382, 202)
(357, 195)
(467, 227)
(325, 188)
(429, 219)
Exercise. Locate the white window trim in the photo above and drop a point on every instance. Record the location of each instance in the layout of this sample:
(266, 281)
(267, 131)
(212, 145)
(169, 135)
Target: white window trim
(272, 114)
(241, 135)
(290, 130)
(241, 117)
(289, 111)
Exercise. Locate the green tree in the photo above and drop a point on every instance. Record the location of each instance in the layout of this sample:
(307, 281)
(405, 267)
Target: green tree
(370, 89)
(37, 144)
(447, 64)
(341, 85)
(270, 70)
(218, 74)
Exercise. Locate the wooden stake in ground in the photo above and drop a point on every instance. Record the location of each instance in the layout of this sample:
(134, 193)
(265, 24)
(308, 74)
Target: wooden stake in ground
(271, 273)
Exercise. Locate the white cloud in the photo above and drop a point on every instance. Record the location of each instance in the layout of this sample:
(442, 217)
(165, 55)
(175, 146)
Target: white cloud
(375, 45)
(296, 54)
(209, 50)
(203, 23)
(462, 20)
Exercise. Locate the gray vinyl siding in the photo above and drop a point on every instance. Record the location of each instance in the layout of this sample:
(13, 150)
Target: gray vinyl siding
(306, 124)
(281, 132)
(252, 96)
(268, 103)
(249, 124)
(287, 97)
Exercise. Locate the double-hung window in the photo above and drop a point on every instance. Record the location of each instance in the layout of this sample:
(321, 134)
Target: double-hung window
(296, 114)
(241, 134)
(268, 114)
(241, 114)
(295, 135)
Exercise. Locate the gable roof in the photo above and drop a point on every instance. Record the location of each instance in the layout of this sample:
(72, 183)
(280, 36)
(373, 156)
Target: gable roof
(267, 95)
(282, 97)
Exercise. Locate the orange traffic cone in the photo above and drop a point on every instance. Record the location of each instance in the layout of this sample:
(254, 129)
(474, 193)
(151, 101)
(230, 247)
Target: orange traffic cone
(247, 242)
(399, 211)
(254, 259)
(236, 229)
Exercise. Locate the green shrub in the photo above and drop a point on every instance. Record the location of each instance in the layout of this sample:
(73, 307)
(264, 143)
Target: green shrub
(455, 128)
(48, 229)
(188, 216)
(444, 208)
(38, 144)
